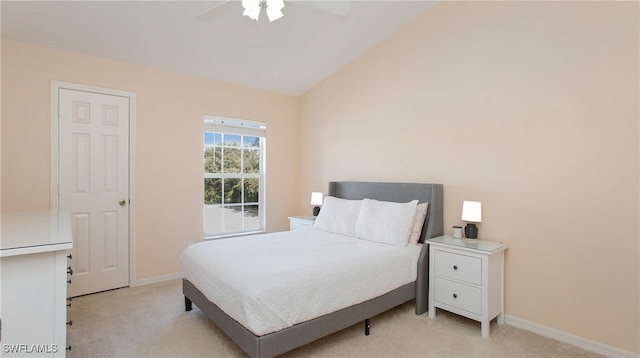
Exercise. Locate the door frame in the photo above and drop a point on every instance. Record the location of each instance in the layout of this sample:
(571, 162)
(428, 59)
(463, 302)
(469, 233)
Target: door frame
(55, 147)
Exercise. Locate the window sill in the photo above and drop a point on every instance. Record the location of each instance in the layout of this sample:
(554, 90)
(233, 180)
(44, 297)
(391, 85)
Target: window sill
(228, 236)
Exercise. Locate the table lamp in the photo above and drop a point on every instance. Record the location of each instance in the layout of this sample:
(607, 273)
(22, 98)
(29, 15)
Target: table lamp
(316, 200)
(472, 213)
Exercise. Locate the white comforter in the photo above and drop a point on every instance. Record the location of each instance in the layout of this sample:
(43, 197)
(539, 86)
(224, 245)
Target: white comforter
(272, 281)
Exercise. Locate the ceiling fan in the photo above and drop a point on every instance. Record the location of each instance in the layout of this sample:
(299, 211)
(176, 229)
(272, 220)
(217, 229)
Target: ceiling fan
(273, 8)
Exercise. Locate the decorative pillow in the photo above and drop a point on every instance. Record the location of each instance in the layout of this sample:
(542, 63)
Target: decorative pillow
(338, 216)
(418, 222)
(385, 222)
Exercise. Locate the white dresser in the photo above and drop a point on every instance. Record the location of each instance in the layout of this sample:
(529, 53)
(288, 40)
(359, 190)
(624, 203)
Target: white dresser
(33, 264)
(467, 278)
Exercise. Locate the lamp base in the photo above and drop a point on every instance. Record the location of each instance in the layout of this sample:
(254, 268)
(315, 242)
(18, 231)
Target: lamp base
(471, 231)
(316, 211)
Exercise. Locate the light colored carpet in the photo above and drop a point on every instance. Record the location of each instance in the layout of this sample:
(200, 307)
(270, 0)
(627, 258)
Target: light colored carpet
(150, 321)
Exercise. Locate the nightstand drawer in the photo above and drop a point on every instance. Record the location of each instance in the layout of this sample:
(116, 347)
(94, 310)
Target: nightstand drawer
(458, 267)
(299, 225)
(301, 222)
(458, 295)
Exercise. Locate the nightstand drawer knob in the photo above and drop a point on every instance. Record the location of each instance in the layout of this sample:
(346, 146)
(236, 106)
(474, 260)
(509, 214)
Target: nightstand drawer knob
(455, 295)
(455, 267)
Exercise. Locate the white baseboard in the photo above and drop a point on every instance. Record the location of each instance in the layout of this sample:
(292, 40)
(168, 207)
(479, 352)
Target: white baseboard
(565, 337)
(158, 279)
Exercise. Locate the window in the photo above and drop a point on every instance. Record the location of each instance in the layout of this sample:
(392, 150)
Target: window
(234, 153)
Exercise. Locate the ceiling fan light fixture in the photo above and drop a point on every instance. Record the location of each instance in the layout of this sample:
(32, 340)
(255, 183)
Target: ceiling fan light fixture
(274, 9)
(251, 8)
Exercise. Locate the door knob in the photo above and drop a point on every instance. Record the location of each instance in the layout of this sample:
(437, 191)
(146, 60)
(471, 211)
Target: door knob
(122, 202)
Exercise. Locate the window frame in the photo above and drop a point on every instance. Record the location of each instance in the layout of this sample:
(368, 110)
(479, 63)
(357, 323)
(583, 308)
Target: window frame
(241, 128)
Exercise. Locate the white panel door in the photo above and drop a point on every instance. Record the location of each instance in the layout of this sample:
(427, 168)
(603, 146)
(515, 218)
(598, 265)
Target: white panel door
(94, 186)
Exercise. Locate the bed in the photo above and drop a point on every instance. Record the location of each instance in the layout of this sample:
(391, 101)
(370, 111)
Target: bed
(245, 325)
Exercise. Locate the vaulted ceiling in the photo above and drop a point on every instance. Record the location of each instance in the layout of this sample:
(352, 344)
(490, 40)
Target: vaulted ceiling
(212, 39)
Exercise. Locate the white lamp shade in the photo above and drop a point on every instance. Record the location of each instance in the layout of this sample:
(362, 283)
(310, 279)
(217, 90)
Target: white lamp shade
(316, 198)
(472, 211)
(251, 9)
(274, 9)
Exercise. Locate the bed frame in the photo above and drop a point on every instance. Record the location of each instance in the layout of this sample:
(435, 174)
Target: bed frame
(287, 339)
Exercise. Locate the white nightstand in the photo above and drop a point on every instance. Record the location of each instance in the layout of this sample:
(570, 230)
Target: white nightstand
(300, 222)
(467, 278)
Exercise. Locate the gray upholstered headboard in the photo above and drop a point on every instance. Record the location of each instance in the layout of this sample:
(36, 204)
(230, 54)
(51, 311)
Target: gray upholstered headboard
(401, 193)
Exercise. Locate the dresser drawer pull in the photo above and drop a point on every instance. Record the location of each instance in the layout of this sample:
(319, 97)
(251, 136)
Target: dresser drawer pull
(69, 282)
(70, 256)
(70, 322)
(455, 267)
(69, 271)
(69, 348)
(455, 295)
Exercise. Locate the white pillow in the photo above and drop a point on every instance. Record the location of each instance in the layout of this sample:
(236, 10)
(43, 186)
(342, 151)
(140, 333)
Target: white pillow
(338, 216)
(418, 223)
(385, 222)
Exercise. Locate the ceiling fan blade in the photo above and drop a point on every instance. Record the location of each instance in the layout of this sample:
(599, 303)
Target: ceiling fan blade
(214, 11)
(338, 8)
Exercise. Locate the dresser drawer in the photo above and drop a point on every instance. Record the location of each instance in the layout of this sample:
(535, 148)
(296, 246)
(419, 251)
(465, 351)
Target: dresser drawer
(458, 267)
(458, 295)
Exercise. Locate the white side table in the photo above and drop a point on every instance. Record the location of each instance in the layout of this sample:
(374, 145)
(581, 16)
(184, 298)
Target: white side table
(300, 222)
(467, 278)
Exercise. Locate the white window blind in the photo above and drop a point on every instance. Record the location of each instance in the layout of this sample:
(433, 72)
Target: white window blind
(235, 126)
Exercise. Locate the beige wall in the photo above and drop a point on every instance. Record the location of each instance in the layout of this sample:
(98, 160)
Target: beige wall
(169, 170)
(530, 108)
